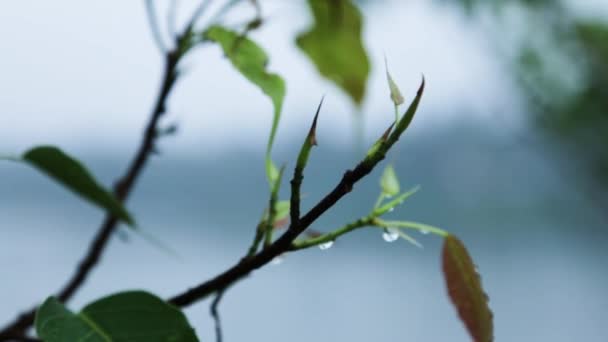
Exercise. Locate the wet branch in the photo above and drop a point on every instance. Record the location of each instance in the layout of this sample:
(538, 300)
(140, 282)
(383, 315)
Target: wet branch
(282, 244)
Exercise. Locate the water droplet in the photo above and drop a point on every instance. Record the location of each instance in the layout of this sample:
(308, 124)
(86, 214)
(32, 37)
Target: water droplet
(424, 231)
(277, 260)
(390, 234)
(391, 209)
(326, 245)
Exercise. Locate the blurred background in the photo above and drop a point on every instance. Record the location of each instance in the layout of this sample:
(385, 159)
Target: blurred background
(509, 146)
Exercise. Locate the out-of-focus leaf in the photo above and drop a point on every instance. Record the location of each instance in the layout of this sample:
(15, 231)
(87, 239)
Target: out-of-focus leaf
(251, 60)
(73, 175)
(389, 182)
(335, 46)
(129, 316)
(282, 210)
(465, 290)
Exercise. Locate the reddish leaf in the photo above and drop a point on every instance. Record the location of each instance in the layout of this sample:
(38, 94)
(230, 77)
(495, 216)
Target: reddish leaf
(464, 287)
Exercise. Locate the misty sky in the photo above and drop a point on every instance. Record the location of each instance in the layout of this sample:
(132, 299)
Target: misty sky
(83, 75)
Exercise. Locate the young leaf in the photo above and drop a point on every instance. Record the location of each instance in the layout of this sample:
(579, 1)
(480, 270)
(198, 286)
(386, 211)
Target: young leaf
(71, 174)
(407, 118)
(464, 287)
(379, 211)
(282, 210)
(128, 316)
(250, 60)
(334, 45)
(396, 96)
(389, 182)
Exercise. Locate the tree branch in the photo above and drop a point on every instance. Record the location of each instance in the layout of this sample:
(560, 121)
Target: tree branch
(282, 244)
(121, 190)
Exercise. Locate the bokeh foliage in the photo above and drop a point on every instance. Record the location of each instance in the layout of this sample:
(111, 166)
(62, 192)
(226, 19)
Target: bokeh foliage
(559, 57)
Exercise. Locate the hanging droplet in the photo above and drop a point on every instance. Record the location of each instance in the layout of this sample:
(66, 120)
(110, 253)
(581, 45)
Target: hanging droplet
(391, 209)
(424, 231)
(326, 245)
(277, 260)
(390, 234)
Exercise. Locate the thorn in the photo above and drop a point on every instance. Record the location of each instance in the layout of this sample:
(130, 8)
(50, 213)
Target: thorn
(313, 129)
(387, 132)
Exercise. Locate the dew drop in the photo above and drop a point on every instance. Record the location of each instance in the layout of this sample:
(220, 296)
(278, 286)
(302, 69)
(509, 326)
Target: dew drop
(391, 209)
(424, 231)
(390, 234)
(277, 260)
(326, 245)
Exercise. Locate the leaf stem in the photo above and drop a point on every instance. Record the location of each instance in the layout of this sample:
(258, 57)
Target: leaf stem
(332, 236)
(421, 227)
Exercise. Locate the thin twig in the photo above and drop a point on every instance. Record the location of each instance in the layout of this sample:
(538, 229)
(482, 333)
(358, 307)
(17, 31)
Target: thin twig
(282, 244)
(121, 190)
(154, 27)
(172, 18)
(200, 10)
(216, 315)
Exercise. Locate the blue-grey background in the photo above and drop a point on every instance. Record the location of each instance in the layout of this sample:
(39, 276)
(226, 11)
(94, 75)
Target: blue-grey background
(82, 75)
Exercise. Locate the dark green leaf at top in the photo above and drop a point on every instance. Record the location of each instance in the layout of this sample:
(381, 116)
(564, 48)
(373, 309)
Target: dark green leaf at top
(335, 46)
(134, 316)
(74, 176)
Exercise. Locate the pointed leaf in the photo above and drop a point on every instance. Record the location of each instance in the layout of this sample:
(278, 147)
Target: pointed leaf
(335, 46)
(465, 290)
(128, 316)
(396, 96)
(407, 118)
(389, 182)
(73, 175)
(251, 60)
(395, 202)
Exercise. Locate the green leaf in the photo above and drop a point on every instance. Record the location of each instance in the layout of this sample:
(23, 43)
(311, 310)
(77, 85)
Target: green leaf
(282, 210)
(389, 182)
(335, 46)
(128, 316)
(465, 290)
(251, 60)
(395, 202)
(71, 174)
(408, 116)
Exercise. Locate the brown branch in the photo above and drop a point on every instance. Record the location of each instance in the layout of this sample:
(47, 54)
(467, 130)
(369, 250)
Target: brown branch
(121, 190)
(282, 244)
